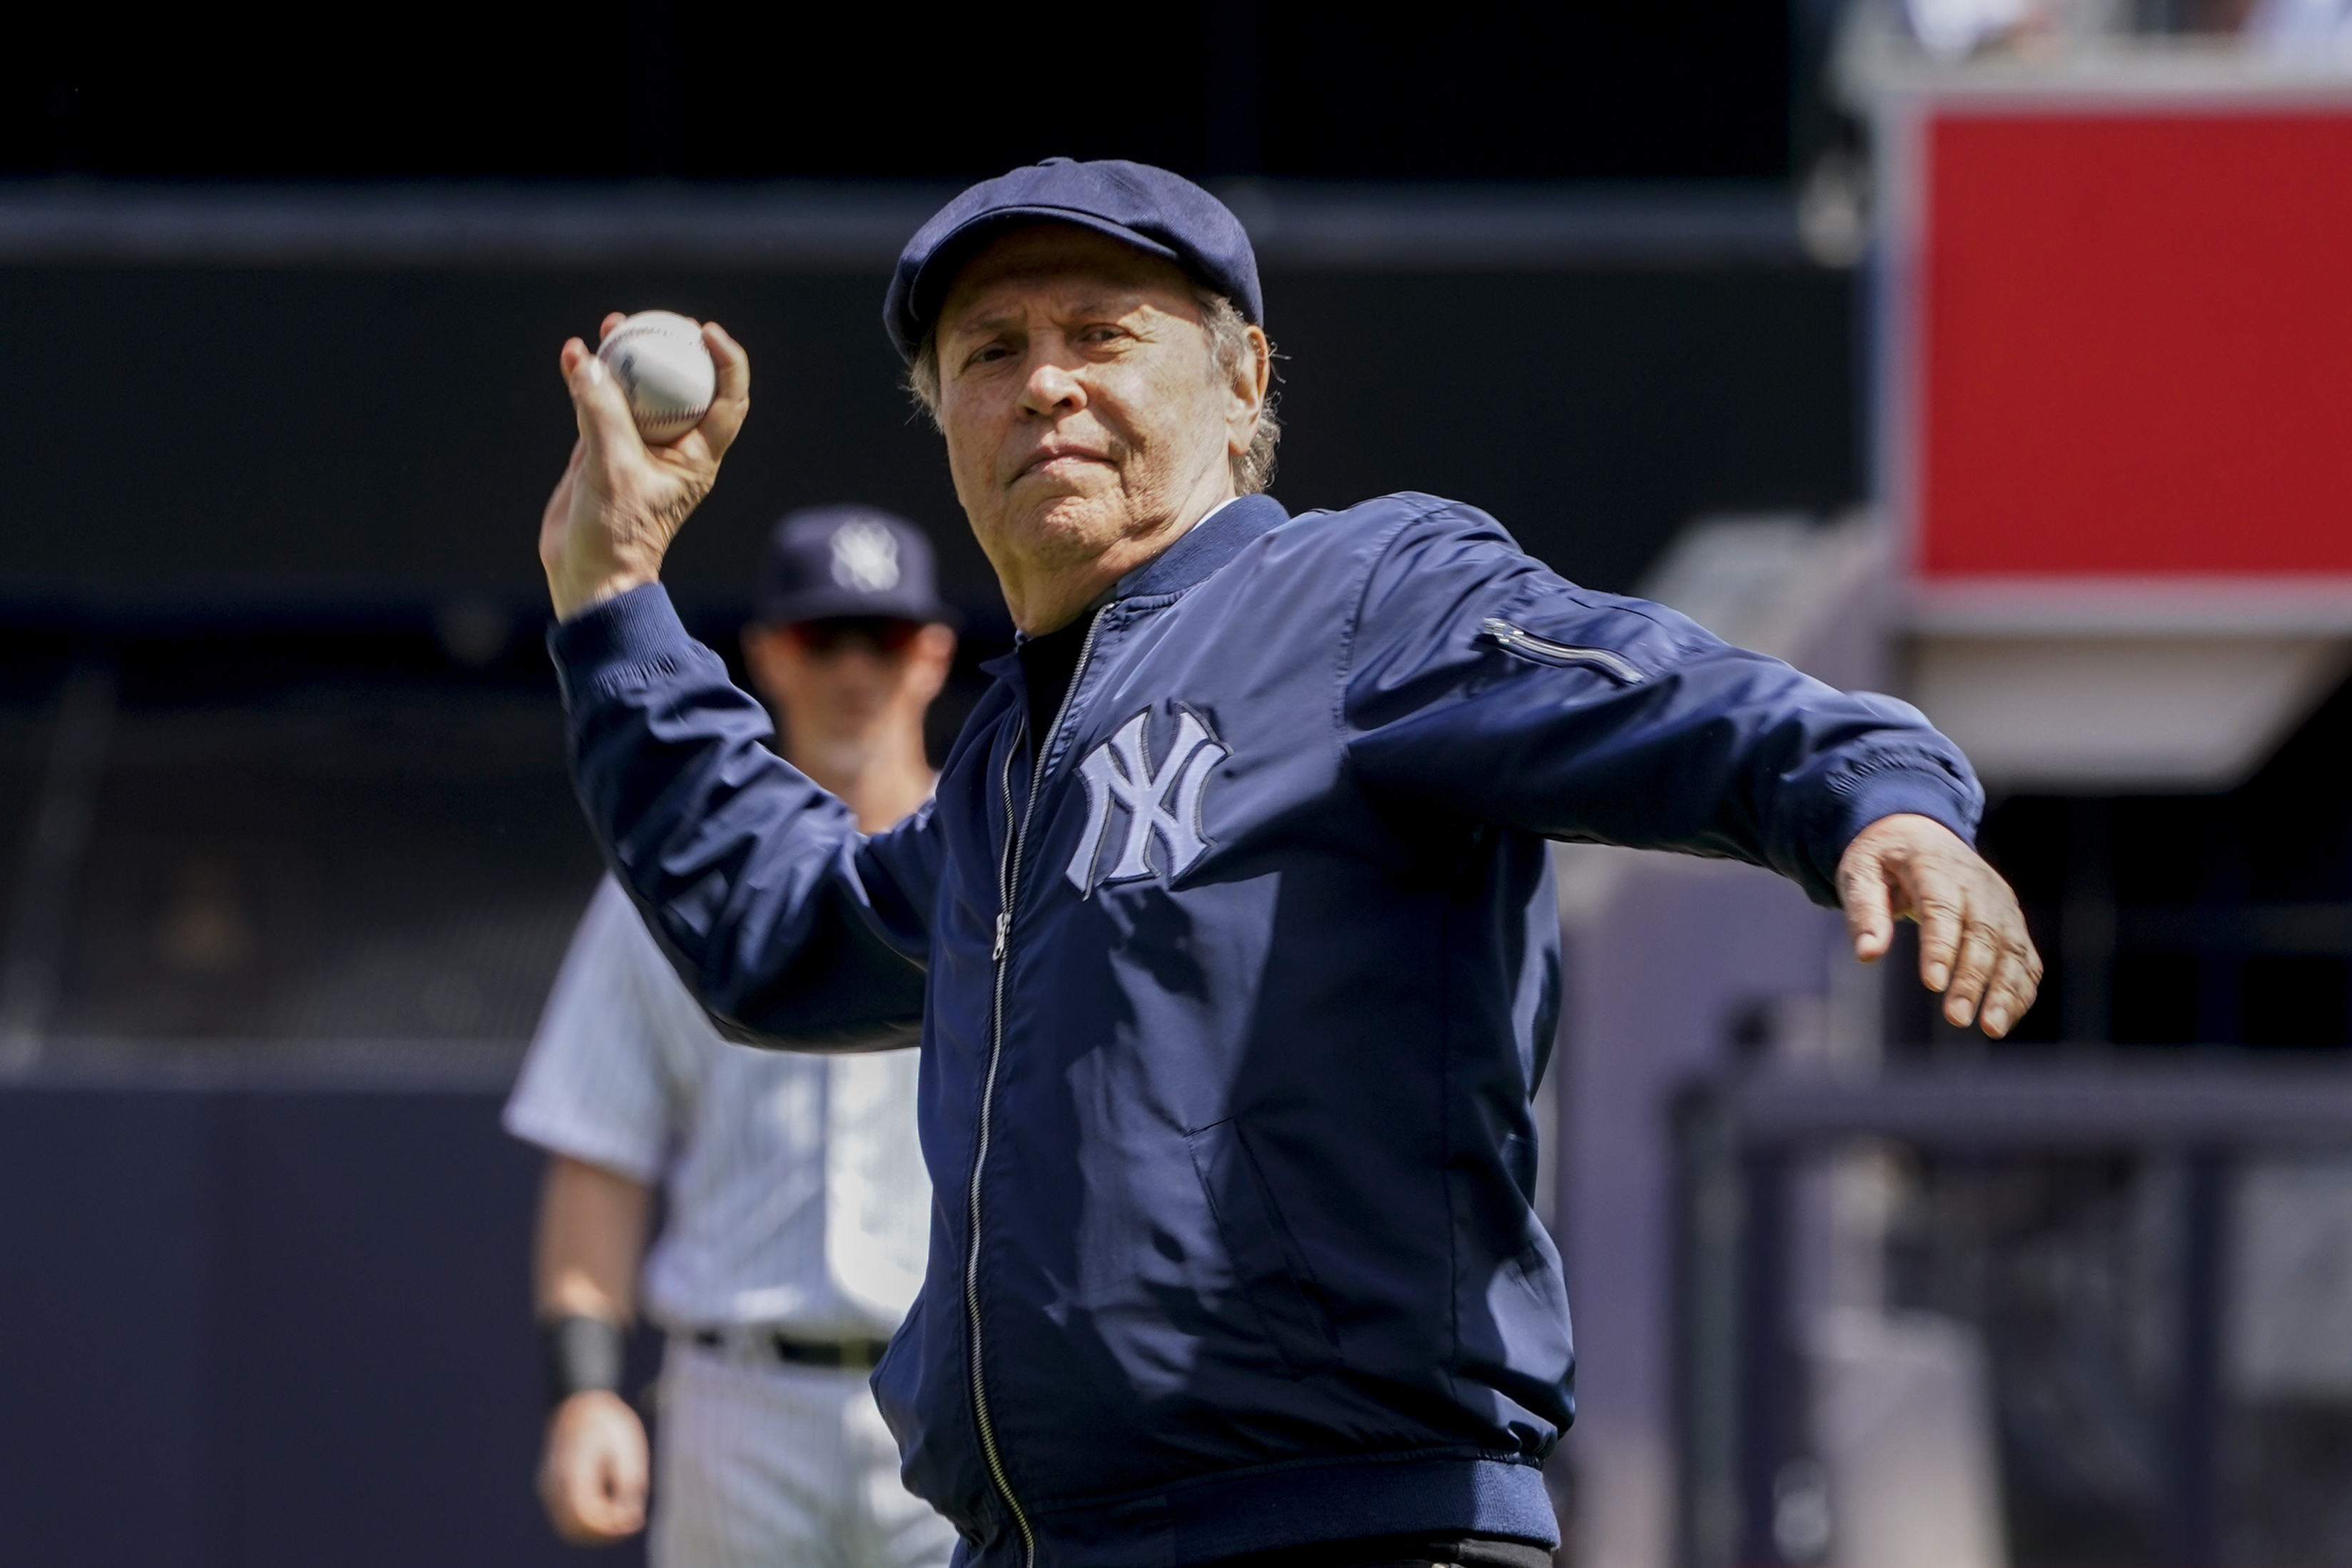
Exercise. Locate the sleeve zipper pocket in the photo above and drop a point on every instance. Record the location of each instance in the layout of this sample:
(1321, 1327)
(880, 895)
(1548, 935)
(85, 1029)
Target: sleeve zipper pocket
(1544, 650)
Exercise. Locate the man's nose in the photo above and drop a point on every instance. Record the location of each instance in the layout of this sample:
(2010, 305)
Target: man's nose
(860, 664)
(1052, 388)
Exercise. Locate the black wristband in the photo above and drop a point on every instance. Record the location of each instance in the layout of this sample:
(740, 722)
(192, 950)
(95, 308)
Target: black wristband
(583, 1353)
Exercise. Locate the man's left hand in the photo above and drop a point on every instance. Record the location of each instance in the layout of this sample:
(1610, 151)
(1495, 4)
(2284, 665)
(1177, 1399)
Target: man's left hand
(1973, 944)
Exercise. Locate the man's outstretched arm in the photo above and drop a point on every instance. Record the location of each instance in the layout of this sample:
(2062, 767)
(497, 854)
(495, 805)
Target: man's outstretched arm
(1481, 681)
(782, 917)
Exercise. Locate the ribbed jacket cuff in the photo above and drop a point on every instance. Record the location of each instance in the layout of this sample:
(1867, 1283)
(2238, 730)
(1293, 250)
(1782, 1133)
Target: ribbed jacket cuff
(629, 632)
(1887, 792)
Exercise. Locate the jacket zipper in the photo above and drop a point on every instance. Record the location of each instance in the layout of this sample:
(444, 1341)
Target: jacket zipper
(1544, 648)
(1008, 889)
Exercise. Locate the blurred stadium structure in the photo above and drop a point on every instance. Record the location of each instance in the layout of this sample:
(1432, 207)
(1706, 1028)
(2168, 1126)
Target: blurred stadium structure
(2075, 1298)
(289, 855)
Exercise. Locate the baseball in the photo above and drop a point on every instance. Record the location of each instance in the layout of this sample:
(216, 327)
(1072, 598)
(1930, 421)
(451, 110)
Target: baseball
(667, 373)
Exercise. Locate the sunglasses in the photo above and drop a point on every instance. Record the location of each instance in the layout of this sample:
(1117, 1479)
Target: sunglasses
(884, 635)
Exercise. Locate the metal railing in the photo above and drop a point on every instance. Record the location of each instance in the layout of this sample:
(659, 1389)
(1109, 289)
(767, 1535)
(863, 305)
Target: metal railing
(1740, 1140)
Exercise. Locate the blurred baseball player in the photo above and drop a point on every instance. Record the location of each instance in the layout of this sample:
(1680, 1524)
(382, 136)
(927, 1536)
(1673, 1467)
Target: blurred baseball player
(1230, 928)
(796, 1208)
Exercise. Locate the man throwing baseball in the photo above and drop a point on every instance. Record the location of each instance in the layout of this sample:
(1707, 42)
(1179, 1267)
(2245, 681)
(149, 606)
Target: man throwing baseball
(796, 1209)
(1231, 927)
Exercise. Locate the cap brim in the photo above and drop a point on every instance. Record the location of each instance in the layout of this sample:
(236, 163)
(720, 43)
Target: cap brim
(928, 292)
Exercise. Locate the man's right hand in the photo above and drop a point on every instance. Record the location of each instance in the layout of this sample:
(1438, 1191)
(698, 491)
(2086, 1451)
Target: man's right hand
(594, 1474)
(621, 502)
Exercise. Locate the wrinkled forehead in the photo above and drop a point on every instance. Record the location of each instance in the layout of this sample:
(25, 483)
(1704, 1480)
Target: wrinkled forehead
(1066, 265)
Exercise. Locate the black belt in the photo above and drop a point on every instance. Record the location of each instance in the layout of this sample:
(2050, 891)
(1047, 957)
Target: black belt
(847, 1354)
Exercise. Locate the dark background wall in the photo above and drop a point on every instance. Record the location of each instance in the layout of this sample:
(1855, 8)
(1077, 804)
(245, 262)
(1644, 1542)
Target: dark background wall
(244, 1328)
(182, 437)
(1585, 89)
(192, 436)
(234, 437)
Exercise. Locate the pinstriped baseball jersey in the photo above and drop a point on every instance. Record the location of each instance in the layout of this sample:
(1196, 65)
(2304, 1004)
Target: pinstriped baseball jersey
(796, 1191)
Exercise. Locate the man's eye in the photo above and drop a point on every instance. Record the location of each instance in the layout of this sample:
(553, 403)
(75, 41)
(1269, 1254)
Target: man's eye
(986, 353)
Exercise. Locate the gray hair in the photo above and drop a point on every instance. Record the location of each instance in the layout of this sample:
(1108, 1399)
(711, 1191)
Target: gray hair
(1228, 346)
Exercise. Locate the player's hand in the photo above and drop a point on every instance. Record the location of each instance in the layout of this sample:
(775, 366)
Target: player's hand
(594, 1476)
(621, 502)
(1973, 944)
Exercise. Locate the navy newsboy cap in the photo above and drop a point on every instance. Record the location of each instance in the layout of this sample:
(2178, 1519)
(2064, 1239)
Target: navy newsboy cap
(1151, 209)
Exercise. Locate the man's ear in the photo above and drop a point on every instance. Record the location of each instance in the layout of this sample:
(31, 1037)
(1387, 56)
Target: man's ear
(1253, 371)
(933, 655)
(764, 650)
(1252, 376)
(755, 642)
(1261, 365)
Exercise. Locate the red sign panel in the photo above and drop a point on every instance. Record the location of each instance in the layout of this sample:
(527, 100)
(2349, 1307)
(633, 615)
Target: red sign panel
(2136, 344)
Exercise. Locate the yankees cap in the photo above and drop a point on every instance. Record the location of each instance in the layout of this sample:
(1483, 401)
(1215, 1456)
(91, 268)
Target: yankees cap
(1162, 214)
(827, 561)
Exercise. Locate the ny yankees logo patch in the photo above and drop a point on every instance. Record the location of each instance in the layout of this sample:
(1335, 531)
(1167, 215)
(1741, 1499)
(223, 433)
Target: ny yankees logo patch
(865, 556)
(1162, 804)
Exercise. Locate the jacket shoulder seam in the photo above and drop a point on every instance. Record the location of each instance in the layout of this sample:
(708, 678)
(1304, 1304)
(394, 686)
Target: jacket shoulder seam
(1383, 542)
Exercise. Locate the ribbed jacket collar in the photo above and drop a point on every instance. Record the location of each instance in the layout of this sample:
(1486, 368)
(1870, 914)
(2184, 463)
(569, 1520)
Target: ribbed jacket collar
(1212, 541)
(1210, 544)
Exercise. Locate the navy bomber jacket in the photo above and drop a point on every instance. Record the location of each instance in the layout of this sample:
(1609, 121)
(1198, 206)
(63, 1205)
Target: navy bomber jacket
(1232, 991)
